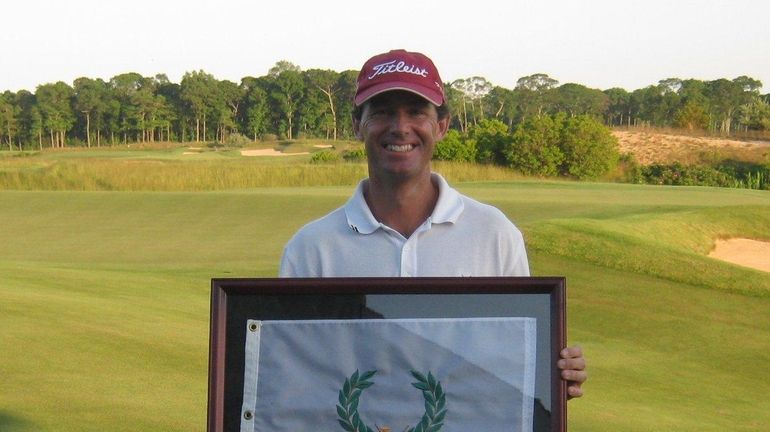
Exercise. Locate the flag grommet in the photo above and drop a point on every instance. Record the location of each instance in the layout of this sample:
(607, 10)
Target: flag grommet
(248, 415)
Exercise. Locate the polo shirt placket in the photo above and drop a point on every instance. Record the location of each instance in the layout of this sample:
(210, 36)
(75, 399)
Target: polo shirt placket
(409, 251)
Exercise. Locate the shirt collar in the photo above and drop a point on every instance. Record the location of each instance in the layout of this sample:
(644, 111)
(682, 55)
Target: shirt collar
(361, 220)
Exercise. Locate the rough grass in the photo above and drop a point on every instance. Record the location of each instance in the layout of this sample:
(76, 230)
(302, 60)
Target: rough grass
(104, 298)
(209, 171)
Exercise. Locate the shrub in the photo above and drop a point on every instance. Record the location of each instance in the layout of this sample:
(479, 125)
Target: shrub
(355, 155)
(324, 156)
(677, 174)
(237, 140)
(728, 173)
(455, 148)
(629, 170)
(747, 175)
(269, 137)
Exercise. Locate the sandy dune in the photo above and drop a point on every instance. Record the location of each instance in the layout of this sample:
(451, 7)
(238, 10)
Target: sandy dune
(655, 147)
(744, 252)
(268, 152)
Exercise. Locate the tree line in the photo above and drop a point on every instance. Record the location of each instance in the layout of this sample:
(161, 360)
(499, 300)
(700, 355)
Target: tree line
(293, 103)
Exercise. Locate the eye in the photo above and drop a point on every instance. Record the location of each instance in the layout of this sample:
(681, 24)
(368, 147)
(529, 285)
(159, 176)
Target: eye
(418, 111)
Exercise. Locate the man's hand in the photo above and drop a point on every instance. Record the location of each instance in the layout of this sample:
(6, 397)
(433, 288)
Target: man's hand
(573, 365)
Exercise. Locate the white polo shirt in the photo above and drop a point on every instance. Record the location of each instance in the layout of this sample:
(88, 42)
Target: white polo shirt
(462, 237)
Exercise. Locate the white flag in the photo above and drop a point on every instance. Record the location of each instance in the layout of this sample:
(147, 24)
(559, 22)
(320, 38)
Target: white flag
(451, 375)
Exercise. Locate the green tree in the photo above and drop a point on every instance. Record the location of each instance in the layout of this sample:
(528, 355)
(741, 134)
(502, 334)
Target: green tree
(455, 147)
(346, 85)
(89, 100)
(112, 116)
(618, 106)
(754, 115)
(590, 150)
(197, 91)
(535, 148)
(750, 101)
(647, 106)
(492, 139)
(692, 116)
(145, 108)
(454, 99)
(576, 99)
(693, 112)
(58, 115)
(123, 111)
(227, 103)
(472, 91)
(669, 102)
(30, 119)
(724, 97)
(173, 110)
(9, 113)
(255, 112)
(287, 92)
(327, 82)
(533, 94)
(502, 105)
(282, 66)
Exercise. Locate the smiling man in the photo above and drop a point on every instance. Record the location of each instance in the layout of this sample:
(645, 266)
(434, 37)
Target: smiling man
(405, 220)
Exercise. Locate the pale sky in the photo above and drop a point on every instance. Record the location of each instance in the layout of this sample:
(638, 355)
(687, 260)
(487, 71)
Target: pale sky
(600, 43)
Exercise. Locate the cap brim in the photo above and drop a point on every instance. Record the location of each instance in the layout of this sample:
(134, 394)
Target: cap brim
(432, 96)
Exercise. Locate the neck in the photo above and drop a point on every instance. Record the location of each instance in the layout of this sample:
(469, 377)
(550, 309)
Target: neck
(403, 206)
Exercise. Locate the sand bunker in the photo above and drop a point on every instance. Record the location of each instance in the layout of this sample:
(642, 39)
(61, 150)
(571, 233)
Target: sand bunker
(268, 152)
(744, 252)
(323, 146)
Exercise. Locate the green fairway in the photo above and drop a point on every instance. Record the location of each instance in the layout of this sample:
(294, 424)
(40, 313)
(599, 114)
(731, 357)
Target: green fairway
(104, 298)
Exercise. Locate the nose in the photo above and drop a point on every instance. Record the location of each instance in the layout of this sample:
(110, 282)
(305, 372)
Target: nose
(400, 122)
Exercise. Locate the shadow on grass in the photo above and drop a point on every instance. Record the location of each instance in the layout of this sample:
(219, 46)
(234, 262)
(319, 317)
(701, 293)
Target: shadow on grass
(10, 422)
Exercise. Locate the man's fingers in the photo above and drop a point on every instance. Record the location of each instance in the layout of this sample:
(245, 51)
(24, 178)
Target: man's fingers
(572, 352)
(574, 392)
(574, 376)
(573, 363)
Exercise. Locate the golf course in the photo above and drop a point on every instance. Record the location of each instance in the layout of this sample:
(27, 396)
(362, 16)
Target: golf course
(106, 257)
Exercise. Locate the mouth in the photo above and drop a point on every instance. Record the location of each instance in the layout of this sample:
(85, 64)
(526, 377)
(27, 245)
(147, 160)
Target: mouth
(403, 148)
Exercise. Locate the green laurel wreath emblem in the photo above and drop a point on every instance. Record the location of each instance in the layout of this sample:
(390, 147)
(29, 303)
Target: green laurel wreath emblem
(435, 402)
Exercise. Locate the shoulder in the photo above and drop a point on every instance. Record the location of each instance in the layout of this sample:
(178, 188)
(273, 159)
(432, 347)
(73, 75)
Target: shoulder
(481, 213)
(302, 255)
(313, 232)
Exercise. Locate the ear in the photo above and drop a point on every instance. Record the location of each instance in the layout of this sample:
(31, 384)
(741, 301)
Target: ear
(357, 128)
(443, 127)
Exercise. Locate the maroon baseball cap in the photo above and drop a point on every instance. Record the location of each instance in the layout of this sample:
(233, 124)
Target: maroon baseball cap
(399, 70)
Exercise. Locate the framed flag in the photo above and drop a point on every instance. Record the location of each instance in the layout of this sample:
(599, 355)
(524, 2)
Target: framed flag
(387, 355)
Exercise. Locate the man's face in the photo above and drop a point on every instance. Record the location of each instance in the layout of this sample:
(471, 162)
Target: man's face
(400, 130)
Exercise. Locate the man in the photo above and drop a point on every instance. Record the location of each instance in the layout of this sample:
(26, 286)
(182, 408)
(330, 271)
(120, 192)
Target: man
(405, 220)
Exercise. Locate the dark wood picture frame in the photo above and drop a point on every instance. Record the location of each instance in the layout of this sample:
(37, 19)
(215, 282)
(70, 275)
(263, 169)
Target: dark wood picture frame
(233, 301)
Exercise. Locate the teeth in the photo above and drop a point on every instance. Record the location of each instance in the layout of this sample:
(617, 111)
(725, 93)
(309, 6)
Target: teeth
(399, 148)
